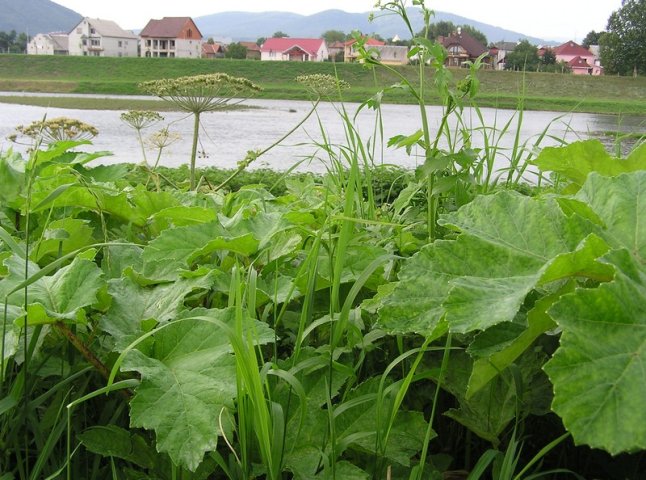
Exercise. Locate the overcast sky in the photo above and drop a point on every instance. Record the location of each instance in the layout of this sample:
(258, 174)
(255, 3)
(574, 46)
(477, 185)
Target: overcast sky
(547, 19)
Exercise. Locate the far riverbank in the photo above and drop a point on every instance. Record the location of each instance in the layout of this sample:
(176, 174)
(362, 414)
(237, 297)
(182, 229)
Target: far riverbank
(121, 76)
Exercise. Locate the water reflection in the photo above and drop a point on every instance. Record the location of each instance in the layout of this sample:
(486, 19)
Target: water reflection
(227, 136)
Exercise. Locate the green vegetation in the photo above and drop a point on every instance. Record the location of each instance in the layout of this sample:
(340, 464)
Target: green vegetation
(367, 323)
(623, 45)
(543, 91)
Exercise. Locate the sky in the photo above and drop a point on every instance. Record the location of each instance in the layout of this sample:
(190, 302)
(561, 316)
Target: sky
(547, 19)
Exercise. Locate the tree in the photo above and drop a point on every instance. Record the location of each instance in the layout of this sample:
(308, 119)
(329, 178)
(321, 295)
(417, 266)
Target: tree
(623, 47)
(592, 38)
(549, 57)
(331, 36)
(236, 50)
(260, 41)
(279, 34)
(475, 33)
(524, 57)
(439, 29)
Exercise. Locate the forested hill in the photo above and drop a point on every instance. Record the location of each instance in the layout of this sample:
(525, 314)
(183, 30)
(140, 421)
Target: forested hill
(36, 16)
(250, 26)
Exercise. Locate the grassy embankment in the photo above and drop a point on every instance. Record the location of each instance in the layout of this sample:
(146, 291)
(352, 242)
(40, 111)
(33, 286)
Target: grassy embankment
(542, 91)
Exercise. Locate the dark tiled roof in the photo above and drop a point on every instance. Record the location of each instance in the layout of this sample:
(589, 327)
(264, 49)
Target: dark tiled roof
(473, 47)
(167, 27)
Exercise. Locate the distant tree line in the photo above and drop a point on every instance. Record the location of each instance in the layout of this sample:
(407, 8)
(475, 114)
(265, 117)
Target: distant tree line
(12, 42)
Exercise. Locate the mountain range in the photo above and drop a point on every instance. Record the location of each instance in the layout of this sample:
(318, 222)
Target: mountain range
(251, 26)
(43, 16)
(36, 16)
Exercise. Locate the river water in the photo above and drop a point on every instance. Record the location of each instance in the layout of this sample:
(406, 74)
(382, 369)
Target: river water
(227, 136)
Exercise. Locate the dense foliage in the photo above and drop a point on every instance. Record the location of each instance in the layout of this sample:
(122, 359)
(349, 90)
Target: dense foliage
(623, 46)
(456, 324)
(12, 42)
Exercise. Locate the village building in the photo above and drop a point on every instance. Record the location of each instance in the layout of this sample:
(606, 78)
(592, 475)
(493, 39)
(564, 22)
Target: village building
(499, 52)
(253, 50)
(171, 37)
(101, 38)
(213, 50)
(462, 48)
(55, 43)
(294, 49)
(581, 60)
(351, 54)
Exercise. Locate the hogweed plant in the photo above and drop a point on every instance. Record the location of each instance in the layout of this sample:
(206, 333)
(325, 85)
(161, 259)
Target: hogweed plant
(140, 120)
(199, 94)
(55, 130)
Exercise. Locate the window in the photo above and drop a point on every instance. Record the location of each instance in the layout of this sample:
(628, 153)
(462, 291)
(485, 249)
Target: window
(84, 41)
(95, 42)
(120, 43)
(189, 33)
(79, 30)
(148, 42)
(92, 31)
(172, 43)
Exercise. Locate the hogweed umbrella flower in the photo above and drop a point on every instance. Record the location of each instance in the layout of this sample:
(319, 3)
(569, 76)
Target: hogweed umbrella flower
(322, 84)
(139, 120)
(56, 130)
(160, 140)
(198, 94)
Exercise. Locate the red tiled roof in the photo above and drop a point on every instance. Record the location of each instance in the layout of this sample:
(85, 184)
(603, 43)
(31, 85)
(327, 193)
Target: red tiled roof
(473, 47)
(251, 46)
(167, 27)
(371, 42)
(212, 48)
(572, 48)
(578, 62)
(309, 45)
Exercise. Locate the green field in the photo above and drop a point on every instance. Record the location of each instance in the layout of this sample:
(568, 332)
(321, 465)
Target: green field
(540, 91)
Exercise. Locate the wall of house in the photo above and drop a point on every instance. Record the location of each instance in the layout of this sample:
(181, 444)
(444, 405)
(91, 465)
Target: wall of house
(119, 47)
(41, 44)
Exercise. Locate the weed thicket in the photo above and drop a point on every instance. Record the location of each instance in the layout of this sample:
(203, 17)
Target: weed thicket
(370, 322)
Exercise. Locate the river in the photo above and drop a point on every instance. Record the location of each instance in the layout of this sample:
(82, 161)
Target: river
(227, 136)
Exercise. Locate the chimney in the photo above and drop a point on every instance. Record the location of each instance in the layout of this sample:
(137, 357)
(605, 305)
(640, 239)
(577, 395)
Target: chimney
(459, 31)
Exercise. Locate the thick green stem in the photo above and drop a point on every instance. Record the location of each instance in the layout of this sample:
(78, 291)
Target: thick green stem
(196, 132)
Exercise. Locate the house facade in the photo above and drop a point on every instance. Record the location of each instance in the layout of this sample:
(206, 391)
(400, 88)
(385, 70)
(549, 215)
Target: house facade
(462, 48)
(351, 54)
(56, 43)
(499, 53)
(581, 60)
(294, 50)
(171, 37)
(101, 38)
(213, 50)
(253, 50)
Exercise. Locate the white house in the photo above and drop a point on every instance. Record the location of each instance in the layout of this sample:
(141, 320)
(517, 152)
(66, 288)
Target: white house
(294, 49)
(55, 43)
(171, 37)
(102, 38)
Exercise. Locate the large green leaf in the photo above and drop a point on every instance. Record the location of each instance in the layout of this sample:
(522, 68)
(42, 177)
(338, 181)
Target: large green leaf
(188, 375)
(62, 237)
(176, 248)
(64, 295)
(599, 371)
(577, 160)
(508, 242)
(133, 304)
(12, 175)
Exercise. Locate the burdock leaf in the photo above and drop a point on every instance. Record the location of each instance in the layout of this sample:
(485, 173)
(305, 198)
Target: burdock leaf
(599, 371)
(188, 375)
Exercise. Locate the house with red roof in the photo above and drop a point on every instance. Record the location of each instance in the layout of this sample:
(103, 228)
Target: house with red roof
(462, 48)
(350, 53)
(581, 60)
(171, 37)
(253, 50)
(294, 50)
(213, 50)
